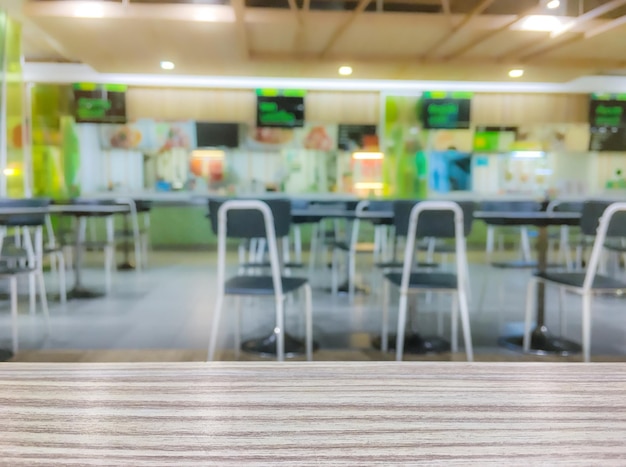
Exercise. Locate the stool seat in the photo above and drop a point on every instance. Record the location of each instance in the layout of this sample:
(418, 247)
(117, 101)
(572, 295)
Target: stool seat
(521, 264)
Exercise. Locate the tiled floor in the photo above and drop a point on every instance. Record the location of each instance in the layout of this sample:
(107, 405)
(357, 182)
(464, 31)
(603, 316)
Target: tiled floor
(169, 307)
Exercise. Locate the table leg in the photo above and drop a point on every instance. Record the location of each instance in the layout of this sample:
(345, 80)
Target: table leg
(126, 265)
(79, 291)
(542, 342)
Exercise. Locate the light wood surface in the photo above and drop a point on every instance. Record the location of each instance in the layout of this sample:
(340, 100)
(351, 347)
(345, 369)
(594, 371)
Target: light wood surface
(312, 414)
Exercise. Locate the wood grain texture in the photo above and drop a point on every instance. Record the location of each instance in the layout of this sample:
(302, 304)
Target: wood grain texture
(362, 413)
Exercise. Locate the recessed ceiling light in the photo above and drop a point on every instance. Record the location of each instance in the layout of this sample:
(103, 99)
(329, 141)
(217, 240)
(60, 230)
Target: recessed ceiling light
(553, 4)
(167, 65)
(516, 73)
(88, 10)
(204, 14)
(545, 23)
(345, 70)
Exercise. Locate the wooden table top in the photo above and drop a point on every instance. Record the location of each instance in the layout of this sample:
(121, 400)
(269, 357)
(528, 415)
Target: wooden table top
(350, 413)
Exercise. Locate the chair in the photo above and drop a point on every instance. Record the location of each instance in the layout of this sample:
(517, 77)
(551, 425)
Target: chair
(355, 247)
(438, 219)
(33, 254)
(605, 220)
(270, 219)
(508, 206)
(564, 252)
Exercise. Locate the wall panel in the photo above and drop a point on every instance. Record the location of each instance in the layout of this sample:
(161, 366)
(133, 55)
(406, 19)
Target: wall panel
(525, 108)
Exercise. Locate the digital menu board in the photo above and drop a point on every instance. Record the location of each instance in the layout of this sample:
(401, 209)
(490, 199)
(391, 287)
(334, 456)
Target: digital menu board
(607, 120)
(99, 103)
(445, 111)
(280, 109)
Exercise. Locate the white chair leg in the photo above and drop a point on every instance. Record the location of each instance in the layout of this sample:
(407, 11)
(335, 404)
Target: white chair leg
(32, 294)
(217, 312)
(351, 275)
(402, 309)
(490, 243)
(14, 322)
(109, 253)
(61, 276)
(525, 244)
(43, 297)
(308, 310)
(528, 316)
(297, 240)
(280, 329)
(586, 325)
(237, 323)
(335, 272)
(454, 324)
(313, 248)
(439, 317)
(467, 332)
(562, 313)
(384, 335)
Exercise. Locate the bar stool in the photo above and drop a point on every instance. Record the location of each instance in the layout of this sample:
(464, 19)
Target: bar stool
(138, 234)
(270, 219)
(438, 219)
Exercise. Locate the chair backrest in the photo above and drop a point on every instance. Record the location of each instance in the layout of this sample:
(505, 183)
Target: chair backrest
(248, 219)
(249, 223)
(432, 223)
(24, 220)
(611, 223)
(593, 210)
(558, 205)
(510, 206)
(439, 219)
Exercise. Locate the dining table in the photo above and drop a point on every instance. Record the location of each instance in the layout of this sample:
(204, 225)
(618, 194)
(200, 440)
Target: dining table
(542, 341)
(312, 413)
(81, 210)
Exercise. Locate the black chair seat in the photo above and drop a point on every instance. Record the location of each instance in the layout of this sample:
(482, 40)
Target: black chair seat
(400, 265)
(438, 248)
(576, 279)
(260, 285)
(266, 264)
(425, 280)
(7, 271)
(520, 264)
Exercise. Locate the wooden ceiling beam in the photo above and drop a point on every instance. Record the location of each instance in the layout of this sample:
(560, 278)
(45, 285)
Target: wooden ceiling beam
(239, 8)
(586, 17)
(293, 6)
(404, 60)
(470, 45)
(478, 9)
(542, 44)
(606, 27)
(362, 5)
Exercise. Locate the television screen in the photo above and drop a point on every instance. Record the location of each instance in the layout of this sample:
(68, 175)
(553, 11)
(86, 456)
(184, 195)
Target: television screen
(351, 136)
(212, 135)
(445, 114)
(97, 104)
(280, 111)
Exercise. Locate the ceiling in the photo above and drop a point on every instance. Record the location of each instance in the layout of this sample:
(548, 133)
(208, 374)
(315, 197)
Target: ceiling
(479, 40)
